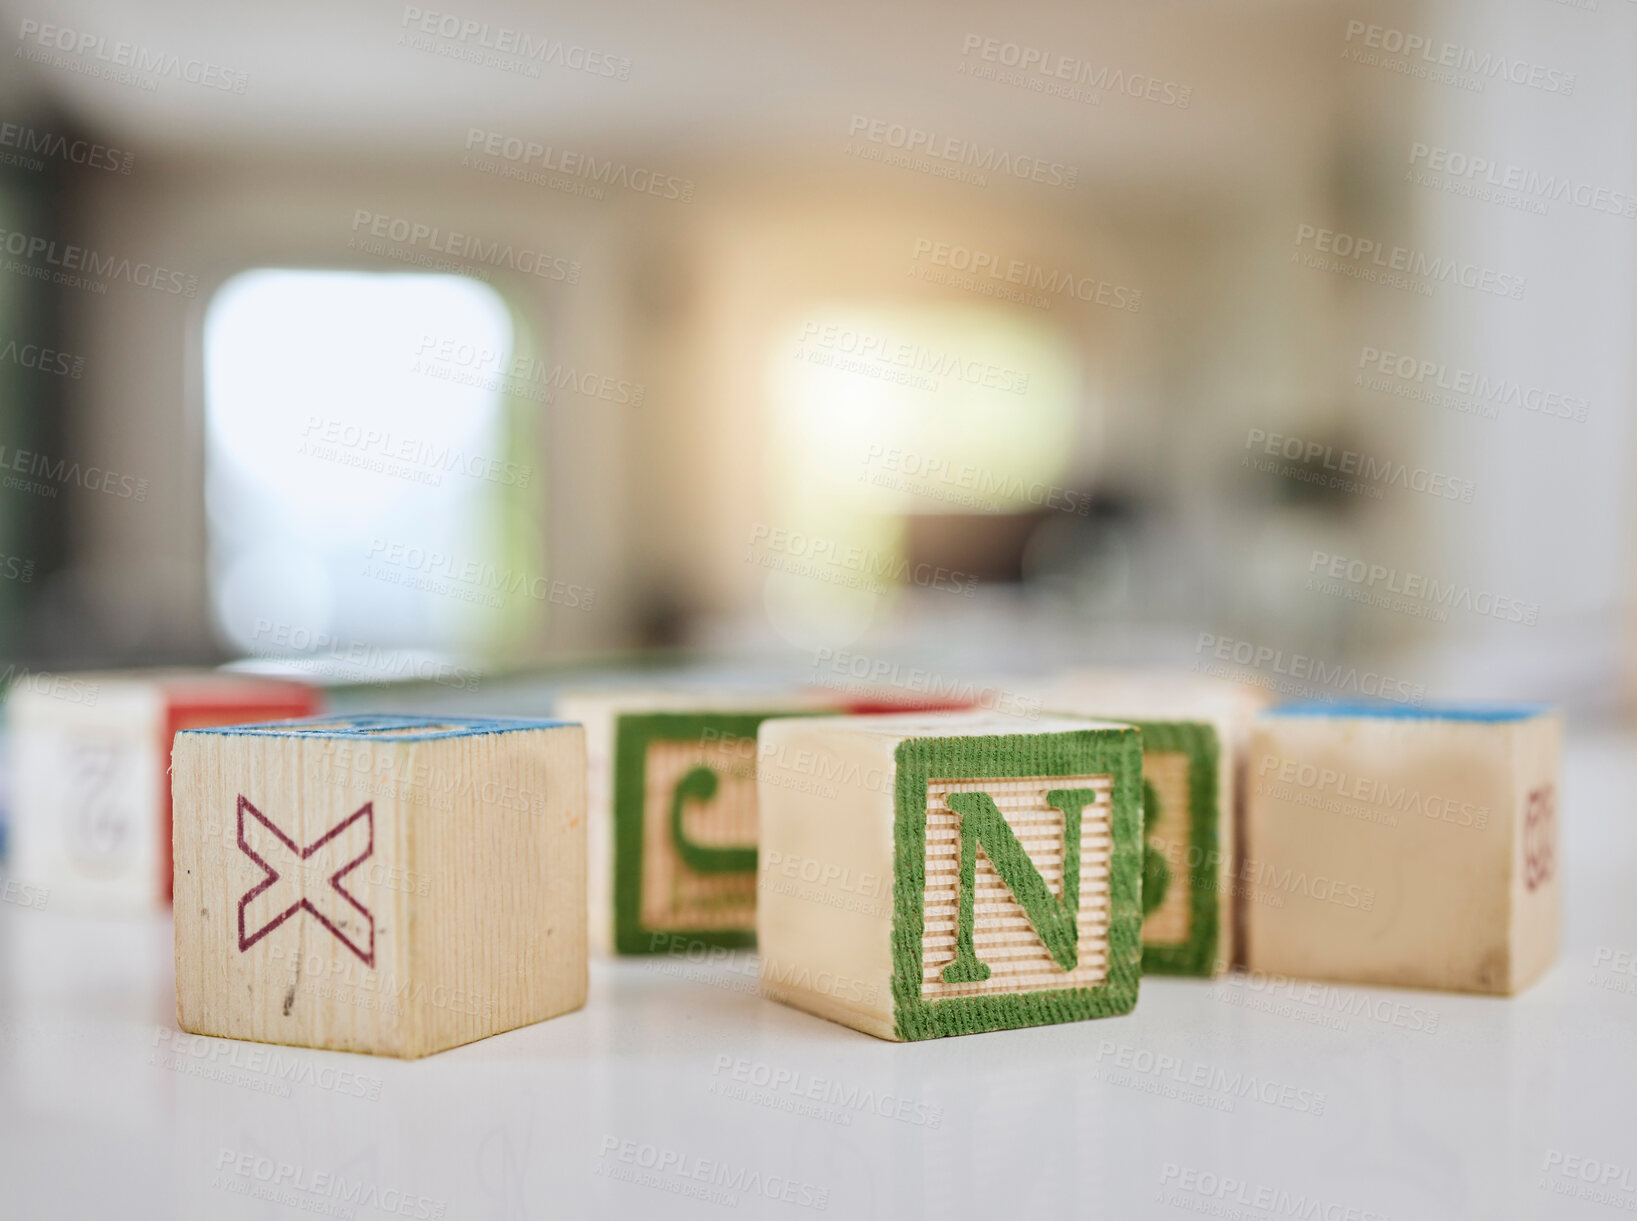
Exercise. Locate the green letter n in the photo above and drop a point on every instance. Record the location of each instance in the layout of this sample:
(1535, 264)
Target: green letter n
(1056, 921)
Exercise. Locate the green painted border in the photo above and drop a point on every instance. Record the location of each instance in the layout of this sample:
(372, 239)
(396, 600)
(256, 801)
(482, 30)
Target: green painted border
(632, 735)
(1081, 752)
(1197, 740)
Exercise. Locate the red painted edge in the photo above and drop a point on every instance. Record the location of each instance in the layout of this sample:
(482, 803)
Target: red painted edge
(871, 707)
(203, 708)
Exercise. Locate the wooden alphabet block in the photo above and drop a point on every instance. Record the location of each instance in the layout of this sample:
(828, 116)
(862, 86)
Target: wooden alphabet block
(928, 875)
(672, 786)
(387, 884)
(91, 819)
(673, 812)
(1408, 846)
(1194, 732)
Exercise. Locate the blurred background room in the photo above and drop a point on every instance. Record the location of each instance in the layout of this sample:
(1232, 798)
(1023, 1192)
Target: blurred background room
(471, 349)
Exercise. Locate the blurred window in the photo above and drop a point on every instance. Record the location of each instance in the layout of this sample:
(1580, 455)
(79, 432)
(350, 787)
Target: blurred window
(890, 417)
(358, 461)
(921, 409)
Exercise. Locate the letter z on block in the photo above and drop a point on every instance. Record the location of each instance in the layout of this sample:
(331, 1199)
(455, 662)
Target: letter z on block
(956, 875)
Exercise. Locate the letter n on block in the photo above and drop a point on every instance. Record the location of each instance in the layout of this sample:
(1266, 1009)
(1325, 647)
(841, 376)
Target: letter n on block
(953, 875)
(1019, 861)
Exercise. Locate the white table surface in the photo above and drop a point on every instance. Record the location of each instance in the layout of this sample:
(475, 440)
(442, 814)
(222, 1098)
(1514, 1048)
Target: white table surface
(1500, 1109)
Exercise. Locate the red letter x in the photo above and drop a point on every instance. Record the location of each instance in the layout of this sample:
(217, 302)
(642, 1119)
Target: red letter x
(286, 889)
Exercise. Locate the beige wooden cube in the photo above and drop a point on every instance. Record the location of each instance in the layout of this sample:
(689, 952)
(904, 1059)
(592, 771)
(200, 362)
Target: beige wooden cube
(1194, 731)
(935, 874)
(672, 793)
(387, 884)
(1407, 846)
(90, 761)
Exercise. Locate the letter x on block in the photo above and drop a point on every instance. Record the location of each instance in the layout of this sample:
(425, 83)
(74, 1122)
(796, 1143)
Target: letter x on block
(309, 877)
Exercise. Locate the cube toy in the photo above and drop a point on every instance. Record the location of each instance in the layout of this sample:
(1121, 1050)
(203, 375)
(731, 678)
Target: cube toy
(387, 884)
(673, 809)
(90, 757)
(1407, 846)
(673, 812)
(928, 875)
(1194, 731)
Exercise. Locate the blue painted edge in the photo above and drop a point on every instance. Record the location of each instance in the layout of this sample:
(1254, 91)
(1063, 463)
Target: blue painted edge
(384, 727)
(1488, 714)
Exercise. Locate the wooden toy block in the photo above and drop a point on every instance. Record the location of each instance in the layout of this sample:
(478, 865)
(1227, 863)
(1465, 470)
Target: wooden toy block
(388, 884)
(673, 807)
(928, 875)
(1194, 731)
(90, 757)
(673, 812)
(1406, 846)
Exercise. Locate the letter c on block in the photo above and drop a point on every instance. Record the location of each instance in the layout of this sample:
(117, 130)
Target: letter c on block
(700, 784)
